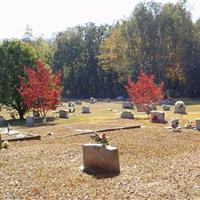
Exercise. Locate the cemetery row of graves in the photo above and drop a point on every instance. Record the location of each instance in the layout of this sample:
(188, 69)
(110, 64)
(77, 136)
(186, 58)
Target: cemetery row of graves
(153, 160)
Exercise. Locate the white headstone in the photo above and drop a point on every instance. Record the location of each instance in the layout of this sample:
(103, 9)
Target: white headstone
(197, 122)
(85, 109)
(158, 116)
(127, 115)
(29, 121)
(166, 107)
(93, 100)
(127, 105)
(63, 114)
(152, 106)
(78, 102)
(71, 104)
(180, 107)
(97, 156)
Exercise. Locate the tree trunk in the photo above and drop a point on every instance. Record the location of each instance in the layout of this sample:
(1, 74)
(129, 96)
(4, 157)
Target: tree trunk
(21, 114)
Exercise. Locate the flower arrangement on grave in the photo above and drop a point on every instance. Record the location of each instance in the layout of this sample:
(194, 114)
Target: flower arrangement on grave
(154, 119)
(100, 139)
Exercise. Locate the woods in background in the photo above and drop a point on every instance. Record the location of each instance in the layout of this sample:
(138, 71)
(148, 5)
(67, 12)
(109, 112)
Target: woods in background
(159, 39)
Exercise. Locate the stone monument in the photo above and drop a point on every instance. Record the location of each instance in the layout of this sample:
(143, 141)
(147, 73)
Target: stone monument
(63, 114)
(127, 115)
(180, 107)
(158, 116)
(30, 121)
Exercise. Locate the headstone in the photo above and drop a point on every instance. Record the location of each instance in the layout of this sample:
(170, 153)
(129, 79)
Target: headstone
(166, 107)
(71, 104)
(158, 116)
(78, 102)
(36, 113)
(93, 100)
(141, 108)
(152, 106)
(2, 121)
(63, 114)
(127, 115)
(71, 109)
(85, 109)
(97, 156)
(197, 124)
(127, 105)
(29, 121)
(108, 100)
(180, 107)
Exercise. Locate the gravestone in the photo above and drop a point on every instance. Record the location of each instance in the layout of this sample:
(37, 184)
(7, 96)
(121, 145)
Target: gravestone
(108, 100)
(127, 105)
(158, 116)
(197, 124)
(71, 109)
(99, 157)
(180, 107)
(93, 100)
(141, 108)
(63, 114)
(166, 107)
(127, 115)
(71, 104)
(85, 109)
(78, 102)
(174, 123)
(36, 113)
(30, 121)
(152, 106)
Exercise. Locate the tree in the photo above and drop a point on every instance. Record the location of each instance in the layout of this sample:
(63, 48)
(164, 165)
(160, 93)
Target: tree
(144, 90)
(14, 54)
(41, 90)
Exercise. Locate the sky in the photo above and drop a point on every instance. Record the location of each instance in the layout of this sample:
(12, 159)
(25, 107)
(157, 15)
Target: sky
(46, 17)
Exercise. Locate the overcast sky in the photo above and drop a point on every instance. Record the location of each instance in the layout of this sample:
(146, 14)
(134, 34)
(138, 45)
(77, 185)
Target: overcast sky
(46, 17)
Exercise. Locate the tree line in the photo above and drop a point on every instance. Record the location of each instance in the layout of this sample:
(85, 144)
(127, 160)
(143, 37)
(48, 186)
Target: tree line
(96, 60)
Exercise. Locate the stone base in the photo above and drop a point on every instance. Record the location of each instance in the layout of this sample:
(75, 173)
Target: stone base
(97, 157)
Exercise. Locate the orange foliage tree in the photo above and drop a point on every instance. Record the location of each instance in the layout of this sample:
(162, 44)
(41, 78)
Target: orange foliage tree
(41, 89)
(144, 91)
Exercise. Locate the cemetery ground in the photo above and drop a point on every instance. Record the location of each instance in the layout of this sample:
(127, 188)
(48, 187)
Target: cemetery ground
(155, 163)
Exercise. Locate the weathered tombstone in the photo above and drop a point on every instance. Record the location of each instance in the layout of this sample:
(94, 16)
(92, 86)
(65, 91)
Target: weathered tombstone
(152, 106)
(36, 113)
(99, 157)
(93, 100)
(180, 107)
(2, 121)
(166, 107)
(197, 122)
(127, 115)
(108, 100)
(71, 109)
(158, 116)
(29, 121)
(141, 108)
(85, 109)
(63, 114)
(78, 102)
(71, 104)
(127, 105)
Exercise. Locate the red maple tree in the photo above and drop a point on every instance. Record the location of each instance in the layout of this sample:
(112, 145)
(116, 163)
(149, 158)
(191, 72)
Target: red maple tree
(144, 91)
(41, 89)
